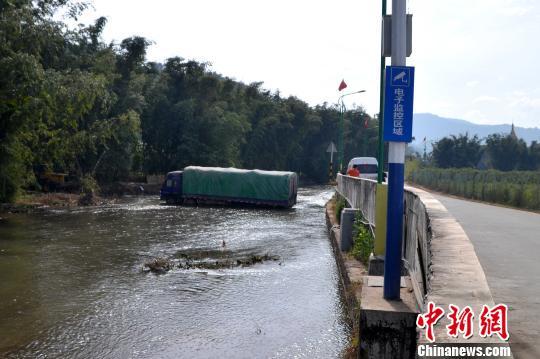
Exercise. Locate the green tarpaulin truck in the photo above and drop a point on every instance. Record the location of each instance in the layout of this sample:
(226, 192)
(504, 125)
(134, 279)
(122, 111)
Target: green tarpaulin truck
(215, 185)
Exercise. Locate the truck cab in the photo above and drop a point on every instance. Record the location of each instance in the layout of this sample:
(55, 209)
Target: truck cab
(171, 189)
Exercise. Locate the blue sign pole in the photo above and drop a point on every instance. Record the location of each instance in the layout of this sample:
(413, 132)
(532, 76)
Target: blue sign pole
(398, 103)
(398, 116)
(398, 110)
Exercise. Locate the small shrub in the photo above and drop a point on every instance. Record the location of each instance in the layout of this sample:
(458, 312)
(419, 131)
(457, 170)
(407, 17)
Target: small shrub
(363, 240)
(89, 185)
(340, 204)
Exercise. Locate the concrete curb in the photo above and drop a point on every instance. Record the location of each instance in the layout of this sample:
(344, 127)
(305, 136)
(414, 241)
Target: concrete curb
(455, 274)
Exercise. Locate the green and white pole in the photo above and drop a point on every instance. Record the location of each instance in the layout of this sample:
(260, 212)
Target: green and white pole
(380, 175)
(381, 197)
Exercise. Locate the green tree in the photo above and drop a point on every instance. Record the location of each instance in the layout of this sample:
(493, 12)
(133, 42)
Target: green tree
(60, 94)
(507, 152)
(457, 151)
(101, 112)
(533, 158)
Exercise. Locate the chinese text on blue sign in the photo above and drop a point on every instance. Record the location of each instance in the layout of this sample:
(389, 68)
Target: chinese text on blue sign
(398, 103)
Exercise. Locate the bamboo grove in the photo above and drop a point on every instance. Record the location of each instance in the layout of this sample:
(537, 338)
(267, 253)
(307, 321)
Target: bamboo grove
(100, 111)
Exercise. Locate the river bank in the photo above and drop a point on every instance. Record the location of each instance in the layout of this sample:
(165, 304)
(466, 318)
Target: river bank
(351, 276)
(32, 201)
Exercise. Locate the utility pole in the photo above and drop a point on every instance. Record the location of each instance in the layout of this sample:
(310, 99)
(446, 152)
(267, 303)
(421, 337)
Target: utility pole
(341, 139)
(381, 193)
(331, 148)
(381, 111)
(365, 141)
(396, 160)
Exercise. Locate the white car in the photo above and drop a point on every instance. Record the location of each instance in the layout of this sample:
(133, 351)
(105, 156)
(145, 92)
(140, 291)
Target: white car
(367, 166)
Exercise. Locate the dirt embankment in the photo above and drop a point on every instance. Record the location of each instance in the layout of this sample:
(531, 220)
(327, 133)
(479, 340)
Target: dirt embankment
(36, 201)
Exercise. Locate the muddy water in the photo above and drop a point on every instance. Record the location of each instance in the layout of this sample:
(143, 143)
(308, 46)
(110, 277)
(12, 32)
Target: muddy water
(72, 285)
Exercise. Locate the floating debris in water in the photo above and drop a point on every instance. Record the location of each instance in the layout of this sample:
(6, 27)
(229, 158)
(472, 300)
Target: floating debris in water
(163, 265)
(226, 263)
(158, 265)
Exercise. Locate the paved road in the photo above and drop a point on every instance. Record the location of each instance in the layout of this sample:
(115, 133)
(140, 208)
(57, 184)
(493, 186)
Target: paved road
(507, 243)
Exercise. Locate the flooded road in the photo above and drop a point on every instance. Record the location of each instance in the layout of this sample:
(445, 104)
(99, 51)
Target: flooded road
(72, 283)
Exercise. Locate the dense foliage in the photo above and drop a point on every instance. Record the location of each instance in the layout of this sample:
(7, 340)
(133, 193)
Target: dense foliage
(457, 151)
(363, 240)
(500, 152)
(508, 153)
(515, 188)
(101, 111)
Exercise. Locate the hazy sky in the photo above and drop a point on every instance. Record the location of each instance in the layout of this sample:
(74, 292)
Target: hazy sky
(475, 59)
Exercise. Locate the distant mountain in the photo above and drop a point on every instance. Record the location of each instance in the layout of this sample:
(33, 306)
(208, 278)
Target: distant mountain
(433, 128)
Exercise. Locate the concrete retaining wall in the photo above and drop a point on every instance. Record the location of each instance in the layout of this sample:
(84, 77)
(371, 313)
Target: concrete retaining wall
(360, 194)
(439, 256)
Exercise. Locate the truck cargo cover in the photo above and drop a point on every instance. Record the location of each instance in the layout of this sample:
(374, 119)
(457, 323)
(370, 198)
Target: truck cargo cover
(237, 183)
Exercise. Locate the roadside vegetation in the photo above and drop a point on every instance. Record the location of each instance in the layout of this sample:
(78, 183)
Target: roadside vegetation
(340, 204)
(516, 188)
(497, 151)
(101, 112)
(363, 240)
(501, 169)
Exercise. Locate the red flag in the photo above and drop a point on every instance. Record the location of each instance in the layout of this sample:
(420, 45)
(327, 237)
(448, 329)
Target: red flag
(342, 85)
(366, 122)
